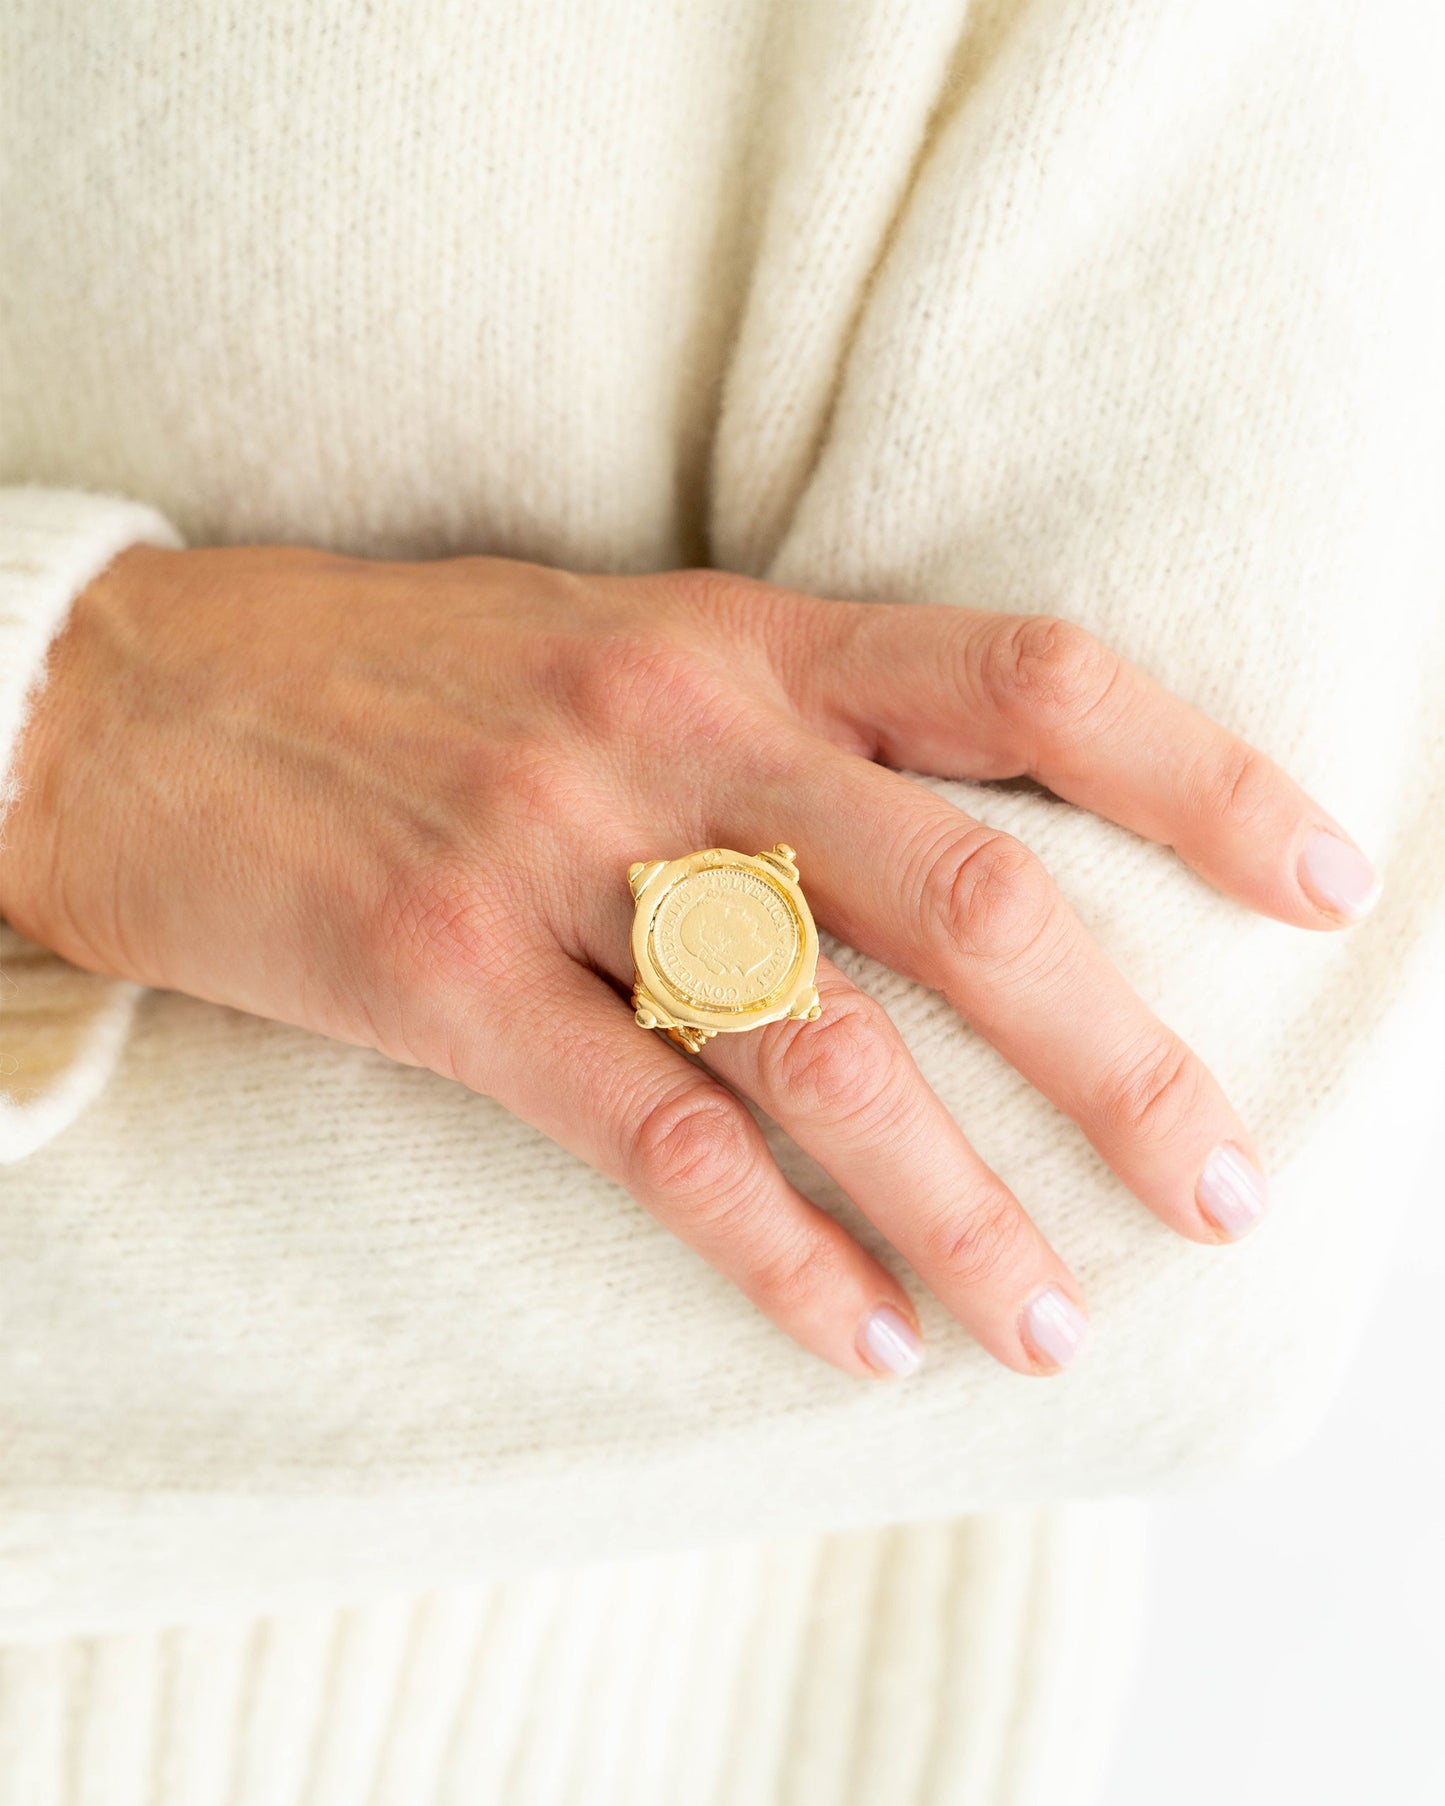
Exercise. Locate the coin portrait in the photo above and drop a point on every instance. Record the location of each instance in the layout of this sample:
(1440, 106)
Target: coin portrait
(725, 939)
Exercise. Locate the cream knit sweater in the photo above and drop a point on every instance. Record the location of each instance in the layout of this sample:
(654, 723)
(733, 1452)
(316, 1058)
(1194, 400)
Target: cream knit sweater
(1123, 309)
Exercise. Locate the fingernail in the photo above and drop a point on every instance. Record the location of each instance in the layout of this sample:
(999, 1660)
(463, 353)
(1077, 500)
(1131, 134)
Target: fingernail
(1338, 876)
(1054, 1326)
(889, 1343)
(1232, 1193)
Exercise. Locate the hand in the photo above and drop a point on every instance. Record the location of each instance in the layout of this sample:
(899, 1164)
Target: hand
(396, 804)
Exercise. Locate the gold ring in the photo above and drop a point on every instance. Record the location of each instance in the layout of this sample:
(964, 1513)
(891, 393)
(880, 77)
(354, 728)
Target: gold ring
(721, 942)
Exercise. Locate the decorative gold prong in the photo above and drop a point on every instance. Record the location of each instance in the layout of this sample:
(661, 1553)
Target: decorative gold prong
(639, 876)
(647, 1010)
(781, 858)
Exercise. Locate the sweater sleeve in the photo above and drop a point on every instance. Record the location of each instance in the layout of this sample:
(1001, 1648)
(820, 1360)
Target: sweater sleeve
(1148, 345)
(61, 1029)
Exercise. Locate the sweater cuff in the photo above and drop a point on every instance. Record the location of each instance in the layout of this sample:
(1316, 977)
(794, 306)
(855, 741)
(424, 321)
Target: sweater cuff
(61, 1029)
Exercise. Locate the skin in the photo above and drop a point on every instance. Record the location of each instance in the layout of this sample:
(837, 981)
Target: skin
(396, 803)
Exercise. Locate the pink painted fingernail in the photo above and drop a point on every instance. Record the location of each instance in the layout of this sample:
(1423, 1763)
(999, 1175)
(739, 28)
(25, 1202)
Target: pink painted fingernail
(1054, 1327)
(889, 1343)
(1338, 876)
(1232, 1192)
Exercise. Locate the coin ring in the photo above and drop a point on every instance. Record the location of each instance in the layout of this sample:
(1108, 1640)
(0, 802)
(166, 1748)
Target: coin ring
(722, 942)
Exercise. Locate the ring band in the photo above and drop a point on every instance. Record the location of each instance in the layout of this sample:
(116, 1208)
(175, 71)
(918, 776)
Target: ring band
(721, 942)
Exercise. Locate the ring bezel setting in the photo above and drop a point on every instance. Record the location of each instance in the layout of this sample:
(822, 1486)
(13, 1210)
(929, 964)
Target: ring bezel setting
(722, 942)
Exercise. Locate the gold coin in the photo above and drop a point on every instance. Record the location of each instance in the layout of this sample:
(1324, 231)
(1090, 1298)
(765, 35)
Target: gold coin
(726, 939)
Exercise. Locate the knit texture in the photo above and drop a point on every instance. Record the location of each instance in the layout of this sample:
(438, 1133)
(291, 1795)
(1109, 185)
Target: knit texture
(965, 1664)
(1121, 309)
(67, 1025)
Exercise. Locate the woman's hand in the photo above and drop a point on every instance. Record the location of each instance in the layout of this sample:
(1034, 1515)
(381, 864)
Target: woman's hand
(397, 803)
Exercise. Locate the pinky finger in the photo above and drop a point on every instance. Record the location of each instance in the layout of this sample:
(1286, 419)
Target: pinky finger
(691, 1153)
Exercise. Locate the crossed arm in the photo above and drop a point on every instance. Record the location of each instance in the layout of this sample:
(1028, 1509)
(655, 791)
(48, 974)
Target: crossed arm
(396, 804)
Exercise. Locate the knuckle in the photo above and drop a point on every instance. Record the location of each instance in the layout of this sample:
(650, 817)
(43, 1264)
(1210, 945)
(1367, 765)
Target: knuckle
(836, 1067)
(1048, 671)
(788, 1277)
(979, 1246)
(632, 684)
(1155, 1094)
(698, 1143)
(990, 895)
(1240, 789)
(438, 924)
(536, 784)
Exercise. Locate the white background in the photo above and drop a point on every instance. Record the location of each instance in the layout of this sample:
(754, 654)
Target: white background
(1292, 1651)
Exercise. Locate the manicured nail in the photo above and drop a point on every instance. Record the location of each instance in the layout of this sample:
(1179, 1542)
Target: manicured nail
(1232, 1192)
(1338, 876)
(1054, 1326)
(889, 1343)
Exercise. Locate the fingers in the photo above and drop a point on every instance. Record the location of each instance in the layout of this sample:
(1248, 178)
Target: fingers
(963, 693)
(972, 912)
(577, 1067)
(847, 1090)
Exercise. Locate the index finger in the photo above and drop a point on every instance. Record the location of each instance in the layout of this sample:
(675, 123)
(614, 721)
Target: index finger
(966, 693)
